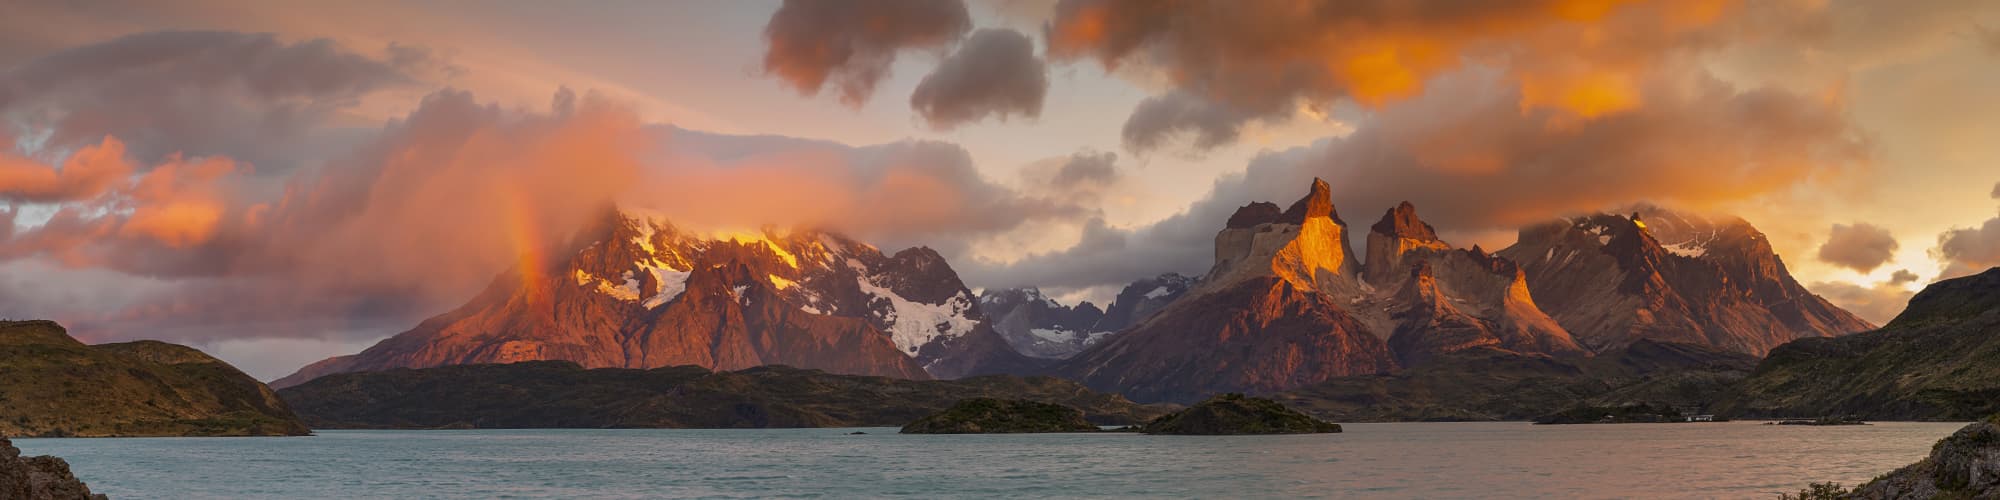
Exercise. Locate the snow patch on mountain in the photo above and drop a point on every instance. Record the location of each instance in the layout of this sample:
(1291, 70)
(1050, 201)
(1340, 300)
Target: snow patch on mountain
(913, 324)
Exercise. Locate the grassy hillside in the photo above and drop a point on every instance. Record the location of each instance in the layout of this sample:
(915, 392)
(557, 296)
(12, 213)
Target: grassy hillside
(1938, 360)
(52, 385)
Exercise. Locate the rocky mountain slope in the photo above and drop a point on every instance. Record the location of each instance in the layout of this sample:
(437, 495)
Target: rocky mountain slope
(1938, 360)
(1488, 385)
(638, 292)
(1038, 326)
(1670, 276)
(53, 385)
(561, 394)
(1141, 299)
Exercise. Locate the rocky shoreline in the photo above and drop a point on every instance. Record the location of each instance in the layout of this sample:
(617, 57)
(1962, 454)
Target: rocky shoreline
(38, 478)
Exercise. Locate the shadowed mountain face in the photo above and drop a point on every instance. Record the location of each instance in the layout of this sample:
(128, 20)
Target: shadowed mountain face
(52, 385)
(1038, 326)
(560, 394)
(1938, 360)
(1669, 276)
(637, 292)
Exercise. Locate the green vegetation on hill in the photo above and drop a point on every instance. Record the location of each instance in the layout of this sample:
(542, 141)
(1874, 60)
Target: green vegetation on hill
(561, 394)
(1001, 416)
(1495, 385)
(1938, 360)
(1234, 414)
(52, 385)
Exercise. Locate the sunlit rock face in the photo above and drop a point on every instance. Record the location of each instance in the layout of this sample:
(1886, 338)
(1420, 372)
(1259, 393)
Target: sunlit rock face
(638, 292)
(1288, 303)
(1671, 276)
(1306, 245)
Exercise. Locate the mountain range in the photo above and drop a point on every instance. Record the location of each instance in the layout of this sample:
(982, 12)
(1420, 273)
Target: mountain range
(1287, 303)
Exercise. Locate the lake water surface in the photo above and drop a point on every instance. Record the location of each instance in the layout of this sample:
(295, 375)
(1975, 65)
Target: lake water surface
(1427, 460)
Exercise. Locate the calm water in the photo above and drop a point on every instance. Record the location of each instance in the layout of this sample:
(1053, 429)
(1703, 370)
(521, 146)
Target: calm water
(1726, 460)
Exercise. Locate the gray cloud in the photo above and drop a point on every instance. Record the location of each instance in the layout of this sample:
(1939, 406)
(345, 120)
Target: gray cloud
(1160, 119)
(1861, 247)
(247, 95)
(1878, 304)
(994, 73)
(1902, 277)
(852, 44)
(1087, 169)
(1966, 251)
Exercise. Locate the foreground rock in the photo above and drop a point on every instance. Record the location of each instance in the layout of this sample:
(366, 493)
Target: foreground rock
(561, 394)
(1236, 414)
(1964, 465)
(1001, 416)
(1938, 360)
(52, 385)
(37, 478)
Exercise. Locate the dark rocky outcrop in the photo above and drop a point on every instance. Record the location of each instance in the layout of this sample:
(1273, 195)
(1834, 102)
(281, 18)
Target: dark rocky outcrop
(1963, 465)
(38, 478)
(1236, 414)
(561, 394)
(1001, 416)
(1938, 360)
(53, 385)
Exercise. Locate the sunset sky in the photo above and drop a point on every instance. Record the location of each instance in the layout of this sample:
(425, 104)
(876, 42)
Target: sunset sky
(279, 182)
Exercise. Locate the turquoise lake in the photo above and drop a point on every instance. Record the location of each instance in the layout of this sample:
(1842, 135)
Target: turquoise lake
(1423, 460)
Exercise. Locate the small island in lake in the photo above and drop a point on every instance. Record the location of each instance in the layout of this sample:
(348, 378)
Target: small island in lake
(1001, 416)
(1236, 414)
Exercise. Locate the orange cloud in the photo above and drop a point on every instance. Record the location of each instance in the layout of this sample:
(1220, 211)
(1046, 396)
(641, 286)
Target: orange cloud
(1258, 60)
(87, 173)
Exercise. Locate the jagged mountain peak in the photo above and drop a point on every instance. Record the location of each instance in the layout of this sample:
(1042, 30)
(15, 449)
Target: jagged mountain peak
(1402, 222)
(1318, 202)
(1306, 246)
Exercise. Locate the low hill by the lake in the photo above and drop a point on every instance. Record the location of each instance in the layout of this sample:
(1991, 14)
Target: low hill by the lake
(561, 394)
(1938, 360)
(53, 385)
(1494, 385)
